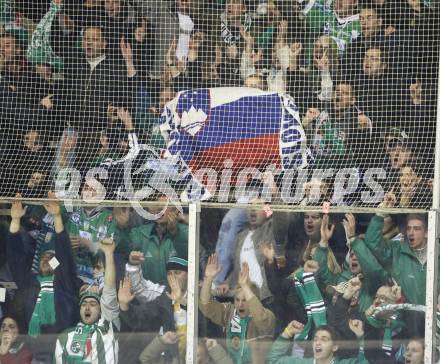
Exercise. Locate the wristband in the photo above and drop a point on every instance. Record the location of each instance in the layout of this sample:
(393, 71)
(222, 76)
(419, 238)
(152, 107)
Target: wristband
(287, 333)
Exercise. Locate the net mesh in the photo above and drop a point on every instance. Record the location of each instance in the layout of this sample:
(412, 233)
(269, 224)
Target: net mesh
(298, 102)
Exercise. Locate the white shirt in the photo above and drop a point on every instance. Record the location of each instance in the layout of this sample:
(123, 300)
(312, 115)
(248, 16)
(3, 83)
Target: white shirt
(249, 256)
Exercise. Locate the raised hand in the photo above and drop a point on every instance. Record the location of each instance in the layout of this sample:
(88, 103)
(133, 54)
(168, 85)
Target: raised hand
(112, 115)
(212, 267)
(357, 326)
(176, 294)
(80, 242)
(389, 200)
(171, 54)
(243, 278)
(210, 343)
(108, 246)
(282, 30)
(293, 328)
(53, 207)
(269, 252)
(124, 294)
(17, 209)
(125, 116)
(311, 266)
(326, 230)
(354, 285)
(6, 342)
(170, 338)
(415, 91)
(247, 37)
(364, 121)
(136, 258)
(396, 291)
(294, 52)
(349, 224)
(47, 102)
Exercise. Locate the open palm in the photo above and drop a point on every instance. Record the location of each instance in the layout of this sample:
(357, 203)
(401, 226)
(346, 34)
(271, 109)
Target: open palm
(212, 267)
(17, 209)
(52, 206)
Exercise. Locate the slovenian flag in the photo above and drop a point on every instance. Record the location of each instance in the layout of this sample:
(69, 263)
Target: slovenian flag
(253, 128)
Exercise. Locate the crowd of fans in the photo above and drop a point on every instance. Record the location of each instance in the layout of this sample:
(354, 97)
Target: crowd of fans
(80, 79)
(96, 284)
(76, 77)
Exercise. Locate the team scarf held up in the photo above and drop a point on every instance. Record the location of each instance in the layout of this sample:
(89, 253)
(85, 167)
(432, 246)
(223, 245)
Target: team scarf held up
(232, 38)
(44, 310)
(237, 346)
(312, 300)
(389, 326)
(393, 324)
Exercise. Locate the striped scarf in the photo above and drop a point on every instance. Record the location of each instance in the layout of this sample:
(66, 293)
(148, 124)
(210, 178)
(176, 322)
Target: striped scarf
(394, 323)
(44, 310)
(388, 326)
(40, 49)
(311, 298)
(43, 241)
(95, 343)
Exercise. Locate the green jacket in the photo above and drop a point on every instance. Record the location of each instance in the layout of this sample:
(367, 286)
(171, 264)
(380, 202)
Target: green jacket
(374, 275)
(156, 253)
(400, 261)
(281, 345)
(94, 227)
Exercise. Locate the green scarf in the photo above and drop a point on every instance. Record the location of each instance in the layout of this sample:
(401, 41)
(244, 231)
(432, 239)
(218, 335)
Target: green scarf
(81, 343)
(238, 348)
(311, 298)
(44, 310)
(388, 327)
(40, 49)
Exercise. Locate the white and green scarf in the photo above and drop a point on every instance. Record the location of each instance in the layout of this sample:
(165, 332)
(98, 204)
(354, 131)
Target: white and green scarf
(312, 300)
(238, 348)
(44, 310)
(40, 49)
(388, 326)
(82, 342)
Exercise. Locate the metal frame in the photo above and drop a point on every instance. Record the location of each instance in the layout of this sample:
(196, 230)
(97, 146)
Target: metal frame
(433, 250)
(193, 280)
(431, 286)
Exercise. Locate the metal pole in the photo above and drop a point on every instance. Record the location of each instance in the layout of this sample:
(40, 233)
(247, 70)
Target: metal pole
(193, 283)
(431, 287)
(432, 253)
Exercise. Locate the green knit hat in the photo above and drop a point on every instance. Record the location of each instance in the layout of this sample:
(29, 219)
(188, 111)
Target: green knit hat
(176, 263)
(89, 294)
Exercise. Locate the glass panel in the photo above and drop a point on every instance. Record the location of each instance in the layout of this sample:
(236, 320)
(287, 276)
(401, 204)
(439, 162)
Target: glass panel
(284, 286)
